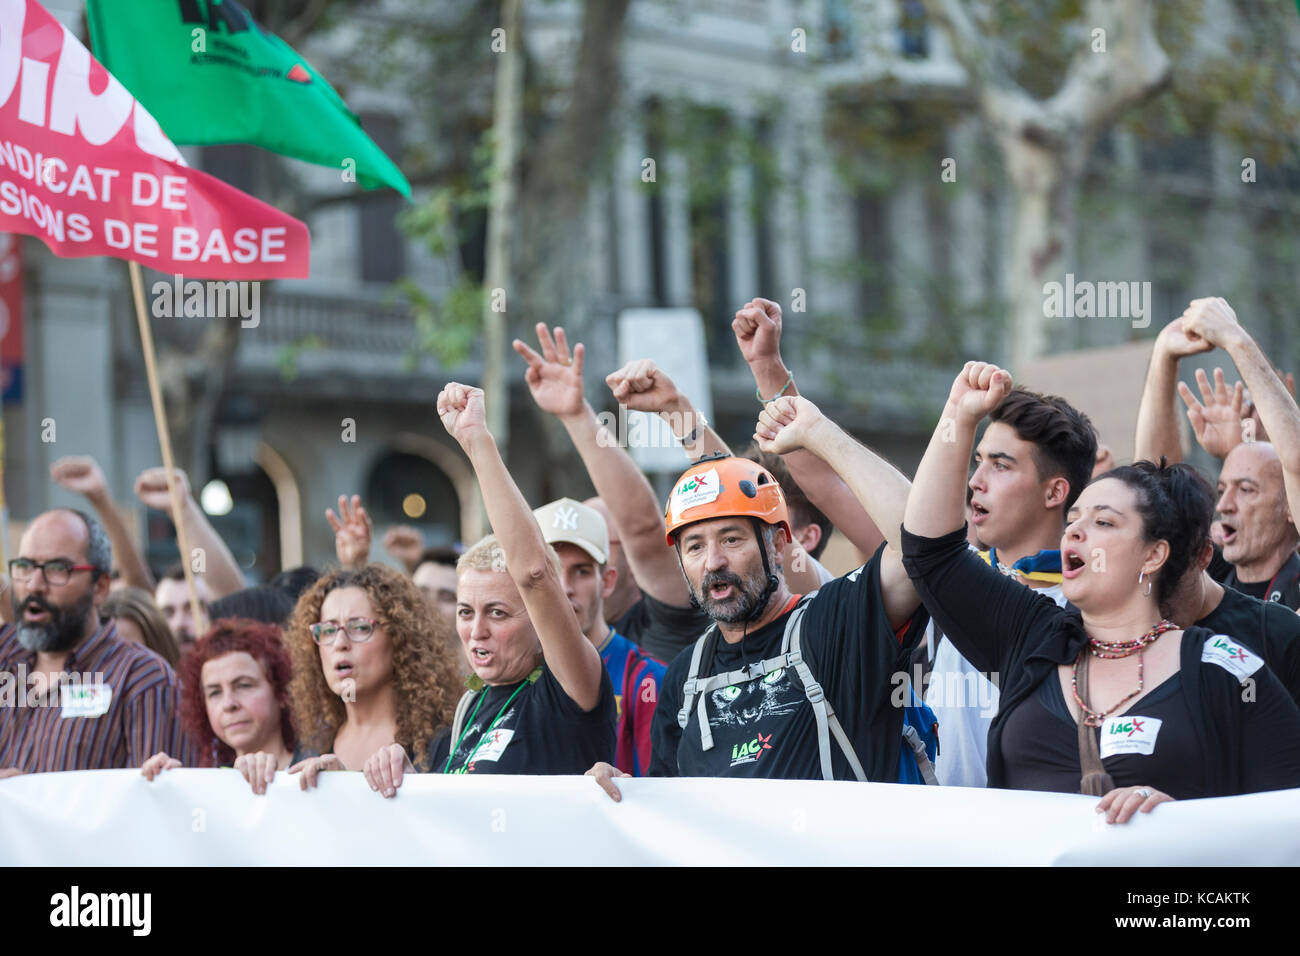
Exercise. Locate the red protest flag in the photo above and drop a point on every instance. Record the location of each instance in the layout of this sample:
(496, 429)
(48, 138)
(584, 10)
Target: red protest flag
(86, 169)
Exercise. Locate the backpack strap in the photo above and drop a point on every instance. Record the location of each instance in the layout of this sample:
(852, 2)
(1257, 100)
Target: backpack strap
(827, 723)
(701, 687)
(692, 675)
(462, 707)
(913, 740)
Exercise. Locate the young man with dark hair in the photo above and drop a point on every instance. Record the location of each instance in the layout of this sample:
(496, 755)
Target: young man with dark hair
(1032, 462)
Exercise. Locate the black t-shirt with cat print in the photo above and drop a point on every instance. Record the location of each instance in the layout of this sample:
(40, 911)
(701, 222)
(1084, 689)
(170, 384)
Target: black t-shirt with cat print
(766, 727)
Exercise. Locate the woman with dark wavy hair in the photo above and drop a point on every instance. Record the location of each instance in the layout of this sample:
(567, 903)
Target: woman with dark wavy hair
(235, 702)
(1106, 697)
(372, 667)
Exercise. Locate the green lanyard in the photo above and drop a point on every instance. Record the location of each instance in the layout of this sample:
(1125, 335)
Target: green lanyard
(483, 736)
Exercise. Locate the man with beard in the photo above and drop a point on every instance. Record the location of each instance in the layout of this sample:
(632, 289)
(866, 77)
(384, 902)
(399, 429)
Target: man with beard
(73, 696)
(745, 701)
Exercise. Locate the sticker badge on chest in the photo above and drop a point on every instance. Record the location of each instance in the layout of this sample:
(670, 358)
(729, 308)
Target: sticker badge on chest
(494, 745)
(85, 700)
(1129, 734)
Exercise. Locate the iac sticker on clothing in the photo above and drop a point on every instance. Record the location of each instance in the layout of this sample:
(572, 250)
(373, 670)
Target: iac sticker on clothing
(696, 490)
(1231, 656)
(494, 745)
(86, 700)
(1129, 734)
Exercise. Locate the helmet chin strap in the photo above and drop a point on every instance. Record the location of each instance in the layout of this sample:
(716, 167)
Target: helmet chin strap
(772, 581)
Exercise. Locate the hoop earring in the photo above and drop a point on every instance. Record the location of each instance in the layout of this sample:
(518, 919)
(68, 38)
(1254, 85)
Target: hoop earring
(1147, 592)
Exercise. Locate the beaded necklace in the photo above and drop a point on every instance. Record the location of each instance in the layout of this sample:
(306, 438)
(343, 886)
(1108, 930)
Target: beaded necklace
(1114, 651)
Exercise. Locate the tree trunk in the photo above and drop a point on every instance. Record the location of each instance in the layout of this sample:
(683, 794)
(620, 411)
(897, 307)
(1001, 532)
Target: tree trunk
(1044, 187)
(1045, 143)
(498, 274)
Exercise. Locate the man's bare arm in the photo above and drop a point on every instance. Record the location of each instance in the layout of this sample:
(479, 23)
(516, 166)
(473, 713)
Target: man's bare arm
(1214, 321)
(223, 575)
(881, 489)
(758, 333)
(82, 474)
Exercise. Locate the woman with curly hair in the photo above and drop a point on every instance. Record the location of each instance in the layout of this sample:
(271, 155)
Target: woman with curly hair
(371, 668)
(235, 702)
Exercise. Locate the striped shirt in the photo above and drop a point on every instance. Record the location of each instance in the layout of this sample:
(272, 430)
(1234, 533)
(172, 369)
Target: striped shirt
(115, 705)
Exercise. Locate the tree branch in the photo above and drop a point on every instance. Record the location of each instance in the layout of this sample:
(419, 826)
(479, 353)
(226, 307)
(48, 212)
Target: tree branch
(1098, 87)
(1002, 102)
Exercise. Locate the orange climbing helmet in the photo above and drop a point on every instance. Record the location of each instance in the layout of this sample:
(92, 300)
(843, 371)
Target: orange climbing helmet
(720, 486)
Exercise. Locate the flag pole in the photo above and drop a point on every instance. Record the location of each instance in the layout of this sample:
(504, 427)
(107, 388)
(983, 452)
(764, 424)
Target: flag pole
(4, 503)
(164, 439)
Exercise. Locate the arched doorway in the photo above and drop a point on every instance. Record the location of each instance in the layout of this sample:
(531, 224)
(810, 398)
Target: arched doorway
(406, 488)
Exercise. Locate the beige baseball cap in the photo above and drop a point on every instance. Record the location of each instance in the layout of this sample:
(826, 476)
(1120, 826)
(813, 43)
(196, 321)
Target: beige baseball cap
(573, 522)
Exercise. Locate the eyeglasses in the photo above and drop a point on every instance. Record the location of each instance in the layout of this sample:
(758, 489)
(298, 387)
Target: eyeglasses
(359, 629)
(56, 572)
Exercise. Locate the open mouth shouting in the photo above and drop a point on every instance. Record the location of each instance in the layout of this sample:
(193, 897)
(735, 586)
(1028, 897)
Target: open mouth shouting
(978, 513)
(721, 586)
(36, 611)
(1072, 563)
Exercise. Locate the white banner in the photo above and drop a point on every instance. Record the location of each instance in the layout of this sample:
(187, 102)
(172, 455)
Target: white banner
(211, 818)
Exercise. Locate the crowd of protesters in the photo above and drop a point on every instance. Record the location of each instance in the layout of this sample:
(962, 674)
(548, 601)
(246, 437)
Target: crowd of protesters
(1056, 622)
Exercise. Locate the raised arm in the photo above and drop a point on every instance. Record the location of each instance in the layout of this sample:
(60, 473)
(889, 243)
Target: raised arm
(569, 655)
(555, 379)
(353, 532)
(642, 386)
(83, 475)
(1157, 420)
(937, 503)
(757, 327)
(1214, 322)
(984, 613)
(223, 575)
(790, 424)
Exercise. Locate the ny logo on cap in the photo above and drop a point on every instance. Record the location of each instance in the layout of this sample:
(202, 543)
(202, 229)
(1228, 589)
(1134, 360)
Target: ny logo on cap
(566, 519)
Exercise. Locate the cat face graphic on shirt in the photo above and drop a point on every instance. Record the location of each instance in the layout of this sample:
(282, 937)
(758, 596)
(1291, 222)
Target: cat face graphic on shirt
(739, 704)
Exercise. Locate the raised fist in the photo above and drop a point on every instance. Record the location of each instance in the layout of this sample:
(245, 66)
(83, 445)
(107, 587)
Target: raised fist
(80, 473)
(979, 388)
(151, 488)
(461, 409)
(786, 424)
(758, 330)
(643, 387)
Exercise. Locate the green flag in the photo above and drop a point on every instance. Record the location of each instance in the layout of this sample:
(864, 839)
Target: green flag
(209, 75)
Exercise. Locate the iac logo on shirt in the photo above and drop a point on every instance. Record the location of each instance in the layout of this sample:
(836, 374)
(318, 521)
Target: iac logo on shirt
(85, 700)
(750, 752)
(1231, 656)
(1129, 735)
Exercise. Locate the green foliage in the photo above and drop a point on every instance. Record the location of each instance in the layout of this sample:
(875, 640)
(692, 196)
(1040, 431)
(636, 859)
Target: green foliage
(287, 359)
(445, 329)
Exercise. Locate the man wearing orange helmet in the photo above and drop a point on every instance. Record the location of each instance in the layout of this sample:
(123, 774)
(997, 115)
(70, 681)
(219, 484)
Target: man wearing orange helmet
(779, 686)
